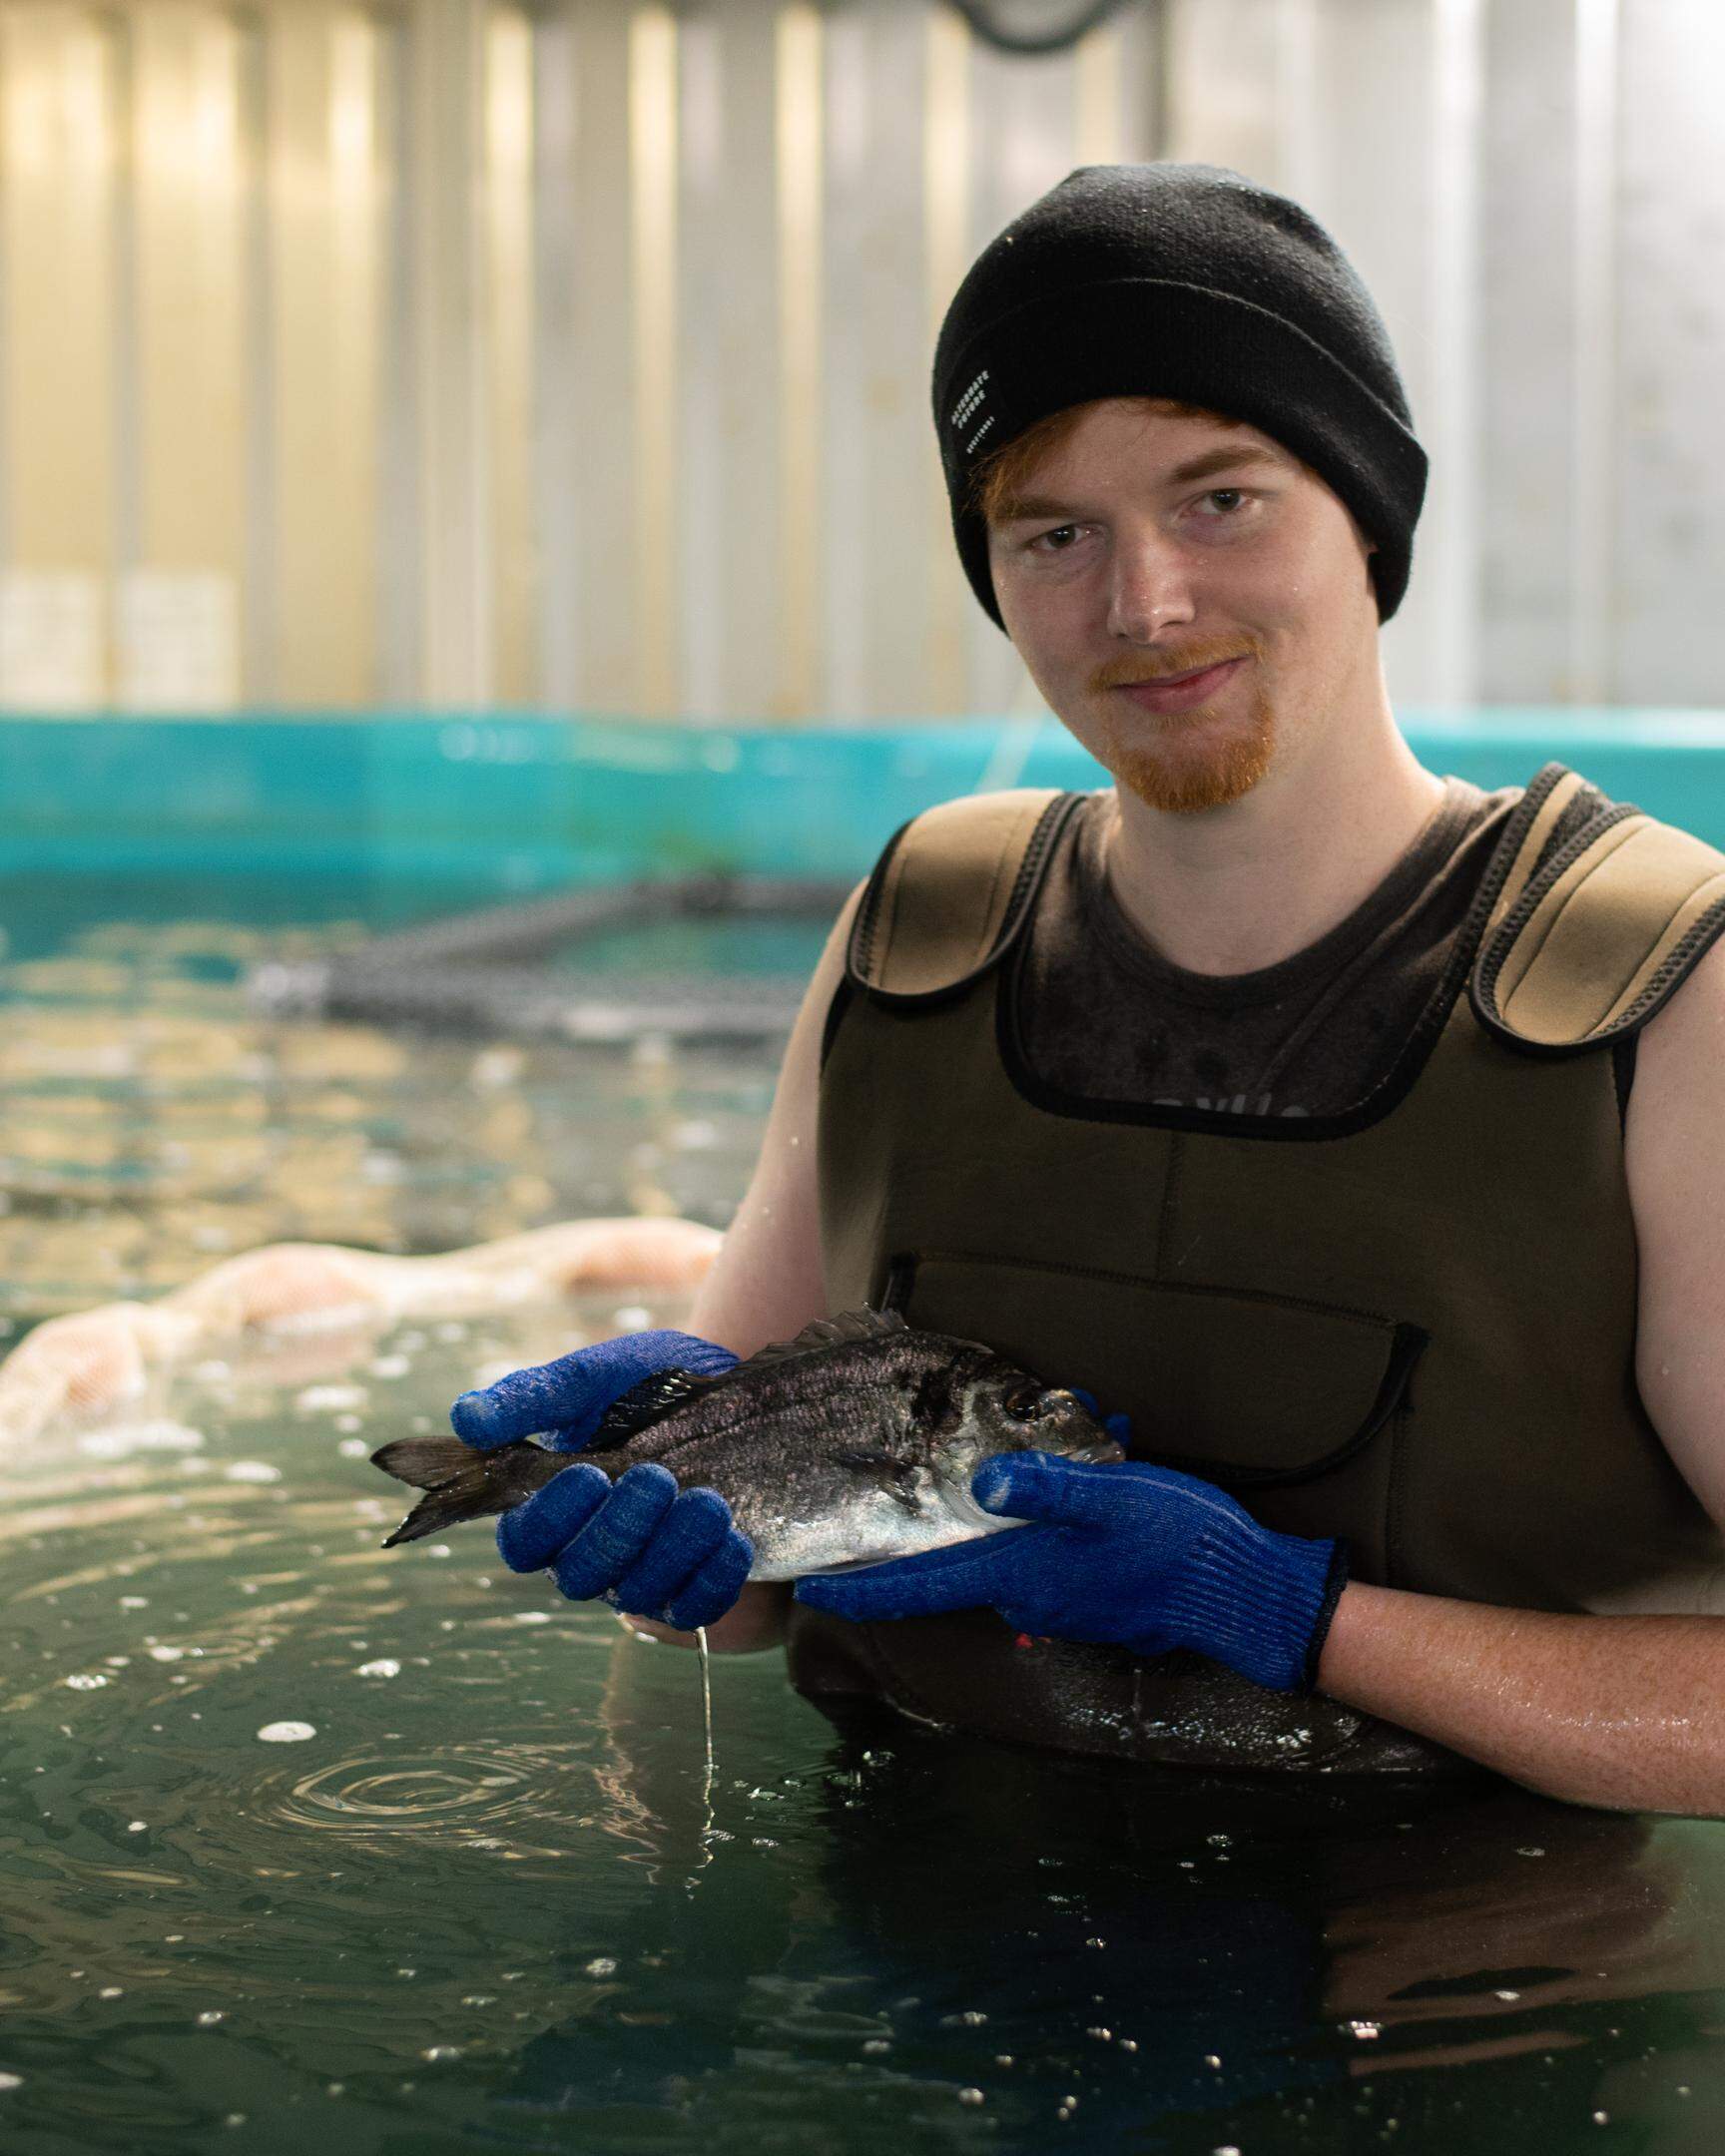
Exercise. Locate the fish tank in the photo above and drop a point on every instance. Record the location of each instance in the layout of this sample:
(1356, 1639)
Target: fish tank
(312, 1844)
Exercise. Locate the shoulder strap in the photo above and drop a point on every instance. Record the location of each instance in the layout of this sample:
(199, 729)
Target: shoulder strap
(952, 891)
(1582, 950)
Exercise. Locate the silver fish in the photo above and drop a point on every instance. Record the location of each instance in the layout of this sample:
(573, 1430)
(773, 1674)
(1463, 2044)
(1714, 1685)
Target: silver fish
(849, 1444)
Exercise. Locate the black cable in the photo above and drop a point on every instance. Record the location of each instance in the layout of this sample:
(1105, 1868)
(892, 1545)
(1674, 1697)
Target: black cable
(981, 16)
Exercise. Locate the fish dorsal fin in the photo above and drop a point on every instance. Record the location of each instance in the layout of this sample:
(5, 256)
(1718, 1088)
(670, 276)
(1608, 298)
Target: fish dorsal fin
(650, 1401)
(854, 1325)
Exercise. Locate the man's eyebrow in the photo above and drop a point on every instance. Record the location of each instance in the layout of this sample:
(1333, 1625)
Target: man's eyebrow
(1024, 506)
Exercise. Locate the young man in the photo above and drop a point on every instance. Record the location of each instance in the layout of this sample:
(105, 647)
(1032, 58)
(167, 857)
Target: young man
(1280, 1095)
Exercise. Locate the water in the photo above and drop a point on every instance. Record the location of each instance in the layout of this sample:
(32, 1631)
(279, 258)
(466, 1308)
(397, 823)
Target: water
(309, 1844)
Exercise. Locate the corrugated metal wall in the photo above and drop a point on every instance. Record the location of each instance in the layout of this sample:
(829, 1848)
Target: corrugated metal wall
(576, 356)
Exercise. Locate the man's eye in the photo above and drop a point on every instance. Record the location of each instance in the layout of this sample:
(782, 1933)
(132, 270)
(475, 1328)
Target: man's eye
(1054, 534)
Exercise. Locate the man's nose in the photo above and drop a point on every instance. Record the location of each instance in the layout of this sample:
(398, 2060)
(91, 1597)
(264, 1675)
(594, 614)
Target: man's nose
(1149, 587)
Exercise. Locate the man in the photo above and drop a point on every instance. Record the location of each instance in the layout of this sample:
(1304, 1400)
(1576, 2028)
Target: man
(1173, 1090)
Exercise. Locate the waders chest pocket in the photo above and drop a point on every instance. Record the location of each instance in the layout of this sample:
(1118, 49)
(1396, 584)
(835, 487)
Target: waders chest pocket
(1279, 1400)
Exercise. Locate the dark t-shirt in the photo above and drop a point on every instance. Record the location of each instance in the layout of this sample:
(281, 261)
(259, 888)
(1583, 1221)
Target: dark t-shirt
(1104, 1017)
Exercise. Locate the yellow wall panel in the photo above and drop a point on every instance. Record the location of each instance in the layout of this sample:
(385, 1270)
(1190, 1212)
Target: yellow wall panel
(510, 319)
(179, 596)
(323, 309)
(58, 178)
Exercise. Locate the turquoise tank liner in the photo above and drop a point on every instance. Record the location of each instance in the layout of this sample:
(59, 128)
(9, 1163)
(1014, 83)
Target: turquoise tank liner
(495, 804)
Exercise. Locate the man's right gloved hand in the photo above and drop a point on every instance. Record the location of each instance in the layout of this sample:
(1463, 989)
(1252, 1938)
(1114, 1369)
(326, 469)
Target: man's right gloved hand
(646, 1547)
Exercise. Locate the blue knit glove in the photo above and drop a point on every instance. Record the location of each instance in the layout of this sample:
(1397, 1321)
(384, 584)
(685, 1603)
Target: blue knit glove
(1124, 1552)
(638, 1542)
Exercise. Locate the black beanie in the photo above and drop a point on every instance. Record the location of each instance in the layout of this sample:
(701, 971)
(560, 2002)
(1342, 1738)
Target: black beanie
(1188, 281)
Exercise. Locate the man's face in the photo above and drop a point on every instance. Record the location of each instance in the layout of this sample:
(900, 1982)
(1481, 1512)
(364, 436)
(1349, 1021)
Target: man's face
(1118, 564)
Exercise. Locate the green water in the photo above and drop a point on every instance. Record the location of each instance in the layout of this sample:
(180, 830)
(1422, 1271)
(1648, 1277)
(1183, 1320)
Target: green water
(486, 1894)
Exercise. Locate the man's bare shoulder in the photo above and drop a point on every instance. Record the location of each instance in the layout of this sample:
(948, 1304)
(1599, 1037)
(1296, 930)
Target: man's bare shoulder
(1674, 1155)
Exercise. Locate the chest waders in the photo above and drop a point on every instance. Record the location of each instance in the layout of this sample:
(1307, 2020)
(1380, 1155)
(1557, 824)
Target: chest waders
(1412, 1324)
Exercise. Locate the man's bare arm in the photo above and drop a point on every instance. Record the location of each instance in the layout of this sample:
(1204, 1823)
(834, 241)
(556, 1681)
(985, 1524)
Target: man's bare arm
(1617, 1711)
(1623, 1712)
(766, 1283)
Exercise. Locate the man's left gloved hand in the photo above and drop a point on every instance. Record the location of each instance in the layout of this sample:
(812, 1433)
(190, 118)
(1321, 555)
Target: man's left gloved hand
(1123, 1552)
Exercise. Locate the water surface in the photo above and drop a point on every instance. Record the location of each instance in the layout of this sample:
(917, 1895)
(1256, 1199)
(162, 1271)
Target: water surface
(307, 1844)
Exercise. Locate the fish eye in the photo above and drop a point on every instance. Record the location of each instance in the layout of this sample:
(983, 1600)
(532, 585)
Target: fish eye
(1035, 1404)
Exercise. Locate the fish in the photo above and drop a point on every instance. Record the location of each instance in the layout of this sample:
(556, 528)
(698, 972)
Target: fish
(850, 1444)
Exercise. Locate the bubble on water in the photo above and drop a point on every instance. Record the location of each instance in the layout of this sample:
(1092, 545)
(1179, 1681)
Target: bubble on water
(112, 1991)
(86, 1681)
(391, 1365)
(970, 2096)
(286, 1732)
(382, 1668)
(11, 2080)
(329, 1399)
(875, 2045)
(347, 1421)
(600, 1965)
(251, 1470)
(440, 2051)
(353, 1448)
(139, 1437)
(532, 1616)
(137, 1826)
(134, 1601)
(210, 2016)
(167, 1654)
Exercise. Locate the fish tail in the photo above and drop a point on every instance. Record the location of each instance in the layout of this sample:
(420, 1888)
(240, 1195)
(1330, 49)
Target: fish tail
(459, 1482)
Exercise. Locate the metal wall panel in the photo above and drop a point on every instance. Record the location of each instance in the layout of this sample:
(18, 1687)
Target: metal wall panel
(574, 354)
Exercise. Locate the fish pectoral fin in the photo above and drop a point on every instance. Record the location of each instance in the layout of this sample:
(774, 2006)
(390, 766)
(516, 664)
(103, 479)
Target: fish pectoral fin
(899, 1476)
